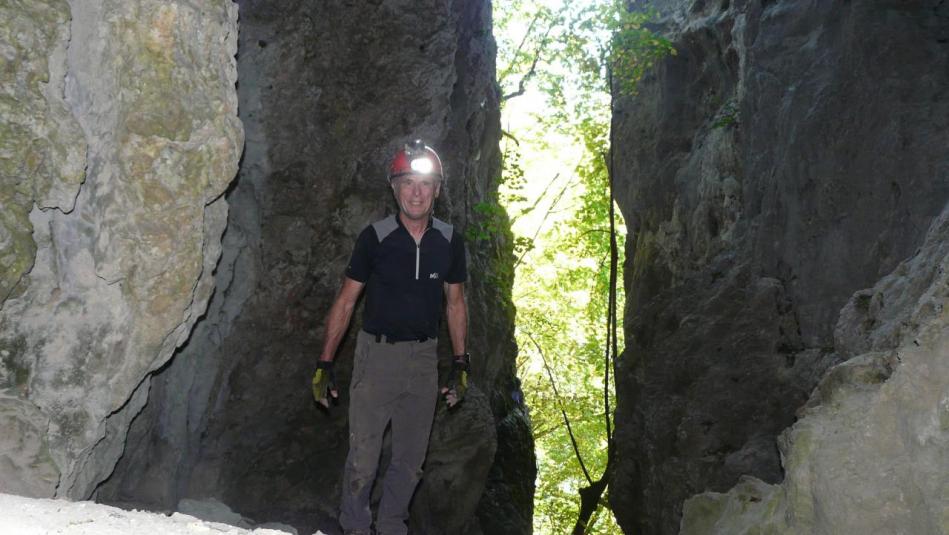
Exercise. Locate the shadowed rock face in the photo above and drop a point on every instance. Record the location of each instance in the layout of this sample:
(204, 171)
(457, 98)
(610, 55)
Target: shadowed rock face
(870, 452)
(790, 154)
(118, 137)
(328, 91)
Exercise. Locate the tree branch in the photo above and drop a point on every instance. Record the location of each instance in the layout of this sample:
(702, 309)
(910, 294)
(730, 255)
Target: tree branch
(614, 259)
(505, 133)
(550, 210)
(520, 46)
(537, 200)
(590, 497)
(540, 431)
(522, 84)
(563, 411)
(611, 348)
(590, 501)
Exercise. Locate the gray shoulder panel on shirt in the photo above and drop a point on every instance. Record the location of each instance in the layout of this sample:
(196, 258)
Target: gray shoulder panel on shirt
(384, 227)
(444, 228)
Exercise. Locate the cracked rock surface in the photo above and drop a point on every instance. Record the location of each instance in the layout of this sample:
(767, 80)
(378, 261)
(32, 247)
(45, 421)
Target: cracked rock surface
(789, 155)
(870, 453)
(118, 137)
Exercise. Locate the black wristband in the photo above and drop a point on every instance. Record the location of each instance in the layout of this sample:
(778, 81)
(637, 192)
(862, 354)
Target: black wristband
(324, 365)
(462, 362)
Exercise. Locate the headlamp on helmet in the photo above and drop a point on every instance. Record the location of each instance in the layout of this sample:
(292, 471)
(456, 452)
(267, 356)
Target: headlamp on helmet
(422, 165)
(415, 158)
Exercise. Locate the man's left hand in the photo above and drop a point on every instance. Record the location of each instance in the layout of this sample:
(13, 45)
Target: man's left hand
(457, 385)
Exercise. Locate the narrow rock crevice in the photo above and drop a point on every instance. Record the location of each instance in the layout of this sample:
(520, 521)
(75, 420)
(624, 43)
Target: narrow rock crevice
(231, 417)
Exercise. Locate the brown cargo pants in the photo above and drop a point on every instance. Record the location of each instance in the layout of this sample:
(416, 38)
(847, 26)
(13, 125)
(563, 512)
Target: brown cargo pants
(393, 383)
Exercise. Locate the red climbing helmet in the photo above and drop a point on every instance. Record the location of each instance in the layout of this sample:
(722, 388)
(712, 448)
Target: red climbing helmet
(415, 158)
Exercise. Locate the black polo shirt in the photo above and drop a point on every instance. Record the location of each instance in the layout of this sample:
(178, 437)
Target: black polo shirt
(404, 292)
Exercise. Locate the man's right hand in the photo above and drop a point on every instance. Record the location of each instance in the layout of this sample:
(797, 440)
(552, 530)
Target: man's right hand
(324, 383)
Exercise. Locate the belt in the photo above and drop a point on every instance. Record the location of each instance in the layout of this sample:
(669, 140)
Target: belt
(386, 339)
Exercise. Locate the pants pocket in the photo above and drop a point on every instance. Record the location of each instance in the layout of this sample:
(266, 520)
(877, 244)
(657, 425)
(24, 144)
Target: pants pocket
(359, 360)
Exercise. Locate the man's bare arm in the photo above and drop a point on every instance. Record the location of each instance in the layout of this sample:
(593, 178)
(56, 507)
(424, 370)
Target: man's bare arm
(456, 310)
(339, 316)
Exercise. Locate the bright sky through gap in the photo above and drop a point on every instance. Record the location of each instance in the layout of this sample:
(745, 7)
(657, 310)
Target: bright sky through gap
(561, 153)
(542, 166)
(558, 313)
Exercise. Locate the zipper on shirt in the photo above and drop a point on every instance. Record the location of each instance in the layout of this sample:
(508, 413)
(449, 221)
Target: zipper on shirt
(418, 252)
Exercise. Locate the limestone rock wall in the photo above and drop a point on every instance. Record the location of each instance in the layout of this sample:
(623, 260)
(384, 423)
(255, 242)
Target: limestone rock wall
(870, 453)
(118, 137)
(328, 91)
(790, 154)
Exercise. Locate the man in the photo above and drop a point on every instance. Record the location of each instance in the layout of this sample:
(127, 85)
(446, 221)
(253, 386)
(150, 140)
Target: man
(409, 264)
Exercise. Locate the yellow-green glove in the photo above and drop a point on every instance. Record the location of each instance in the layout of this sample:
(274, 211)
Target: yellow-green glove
(324, 383)
(457, 385)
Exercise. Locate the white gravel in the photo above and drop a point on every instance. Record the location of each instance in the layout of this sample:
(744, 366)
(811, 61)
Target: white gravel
(29, 516)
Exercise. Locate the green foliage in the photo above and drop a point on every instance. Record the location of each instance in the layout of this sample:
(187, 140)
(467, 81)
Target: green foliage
(490, 218)
(560, 294)
(574, 48)
(571, 54)
(490, 222)
(727, 116)
(635, 49)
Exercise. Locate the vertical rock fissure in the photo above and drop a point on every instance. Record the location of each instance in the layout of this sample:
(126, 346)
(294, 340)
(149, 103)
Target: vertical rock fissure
(326, 94)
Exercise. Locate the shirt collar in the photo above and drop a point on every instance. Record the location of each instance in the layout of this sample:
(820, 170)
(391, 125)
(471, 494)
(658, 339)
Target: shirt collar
(398, 220)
